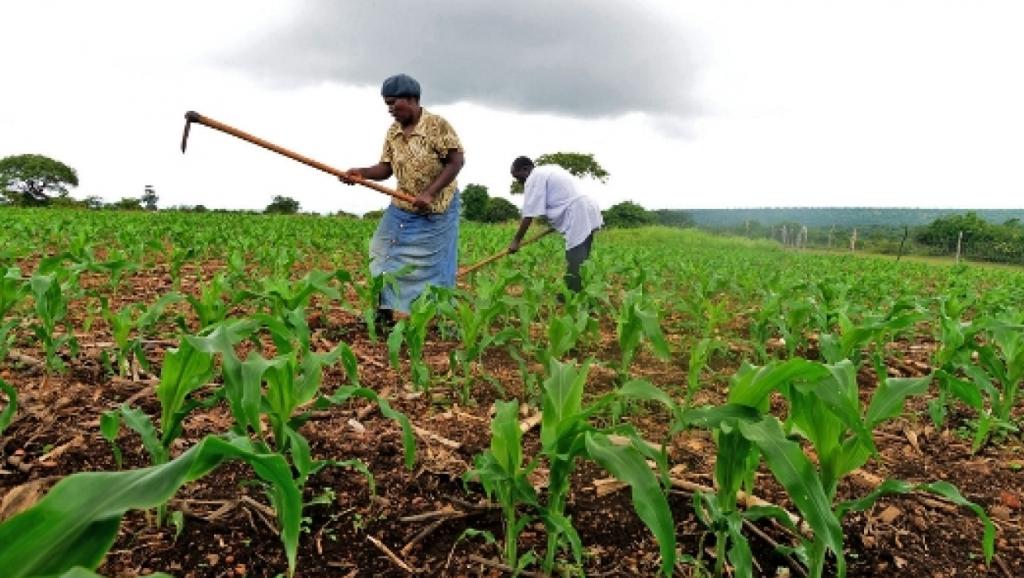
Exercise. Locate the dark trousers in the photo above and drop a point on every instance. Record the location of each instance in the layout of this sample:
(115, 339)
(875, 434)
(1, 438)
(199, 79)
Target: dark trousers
(574, 259)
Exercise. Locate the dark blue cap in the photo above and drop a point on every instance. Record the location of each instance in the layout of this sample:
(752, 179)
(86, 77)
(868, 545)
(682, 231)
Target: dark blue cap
(400, 85)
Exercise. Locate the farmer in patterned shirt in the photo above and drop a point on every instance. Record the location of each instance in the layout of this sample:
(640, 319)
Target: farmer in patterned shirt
(417, 243)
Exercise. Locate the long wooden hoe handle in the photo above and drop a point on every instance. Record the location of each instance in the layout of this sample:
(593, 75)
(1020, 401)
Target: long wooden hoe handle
(496, 256)
(192, 116)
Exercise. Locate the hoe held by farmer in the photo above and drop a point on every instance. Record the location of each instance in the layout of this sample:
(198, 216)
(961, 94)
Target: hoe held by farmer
(550, 191)
(415, 242)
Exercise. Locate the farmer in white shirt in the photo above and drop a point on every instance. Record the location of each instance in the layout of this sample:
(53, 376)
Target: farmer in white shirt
(550, 191)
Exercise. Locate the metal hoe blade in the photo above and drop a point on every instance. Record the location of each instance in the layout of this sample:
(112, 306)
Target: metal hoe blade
(190, 117)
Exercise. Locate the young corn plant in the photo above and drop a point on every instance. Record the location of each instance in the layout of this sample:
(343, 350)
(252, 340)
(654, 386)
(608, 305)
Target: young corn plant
(13, 289)
(763, 324)
(567, 435)
(270, 399)
(989, 353)
(282, 295)
(413, 331)
(638, 323)
(116, 267)
(523, 348)
(129, 326)
(186, 369)
(178, 258)
(825, 410)
(700, 354)
(210, 307)
(51, 307)
(474, 320)
(500, 470)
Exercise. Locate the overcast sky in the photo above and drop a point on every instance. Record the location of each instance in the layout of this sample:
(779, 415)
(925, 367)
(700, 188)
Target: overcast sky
(714, 104)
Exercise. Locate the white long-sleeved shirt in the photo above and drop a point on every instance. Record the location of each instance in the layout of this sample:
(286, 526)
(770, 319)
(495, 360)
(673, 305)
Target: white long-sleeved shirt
(550, 191)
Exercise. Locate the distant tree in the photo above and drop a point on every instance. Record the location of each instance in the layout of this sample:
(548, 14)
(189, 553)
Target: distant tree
(944, 231)
(345, 215)
(627, 214)
(580, 165)
(33, 180)
(127, 204)
(93, 202)
(283, 206)
(149, 198)
(474, 202)
(373, 214)
(500, 210)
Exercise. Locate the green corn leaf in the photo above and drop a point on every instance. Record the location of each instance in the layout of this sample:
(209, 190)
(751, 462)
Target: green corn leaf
(641, 389)
(751, 385)
(110, 425)
(395, 339)
(838, 393)
(652, 331)
(350, 362)
(965, 391)
(185, 369)
(140, 423)
(7, 415)
(298, 447)
(732, 464)
(563, 398)
(77, 521)
(712, 417)
(796, 473)
(506, 437)
(888, 399)
(152, 314)
(628, 465)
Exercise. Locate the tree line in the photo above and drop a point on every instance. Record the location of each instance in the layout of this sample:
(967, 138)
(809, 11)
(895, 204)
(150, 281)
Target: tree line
(33, 180)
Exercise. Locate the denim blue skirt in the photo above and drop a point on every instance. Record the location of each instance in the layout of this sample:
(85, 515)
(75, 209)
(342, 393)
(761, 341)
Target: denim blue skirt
(418, 250)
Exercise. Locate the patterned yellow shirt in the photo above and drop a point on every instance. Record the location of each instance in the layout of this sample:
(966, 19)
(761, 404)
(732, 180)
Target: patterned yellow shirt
(416, 159)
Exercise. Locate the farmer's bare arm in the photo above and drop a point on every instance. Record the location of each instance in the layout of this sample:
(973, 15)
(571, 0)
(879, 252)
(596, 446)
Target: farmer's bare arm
(378, 172)
(452, 164)
(523, 226)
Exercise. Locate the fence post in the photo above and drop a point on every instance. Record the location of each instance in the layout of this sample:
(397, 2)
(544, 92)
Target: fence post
(959, 243)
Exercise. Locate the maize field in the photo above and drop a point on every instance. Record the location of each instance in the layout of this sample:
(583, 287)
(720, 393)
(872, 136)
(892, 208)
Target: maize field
(209, 394)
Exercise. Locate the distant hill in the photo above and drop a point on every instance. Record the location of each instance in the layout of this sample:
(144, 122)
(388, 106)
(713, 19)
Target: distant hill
(840, 217)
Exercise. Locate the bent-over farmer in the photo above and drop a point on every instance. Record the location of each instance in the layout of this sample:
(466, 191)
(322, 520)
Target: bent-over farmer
(417, 242)
(550, 191)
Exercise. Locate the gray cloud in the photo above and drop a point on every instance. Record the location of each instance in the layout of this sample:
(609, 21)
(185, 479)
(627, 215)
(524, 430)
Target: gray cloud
(576, 58)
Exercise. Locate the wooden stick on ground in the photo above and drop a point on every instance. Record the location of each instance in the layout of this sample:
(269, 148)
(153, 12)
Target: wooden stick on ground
(393, 557)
